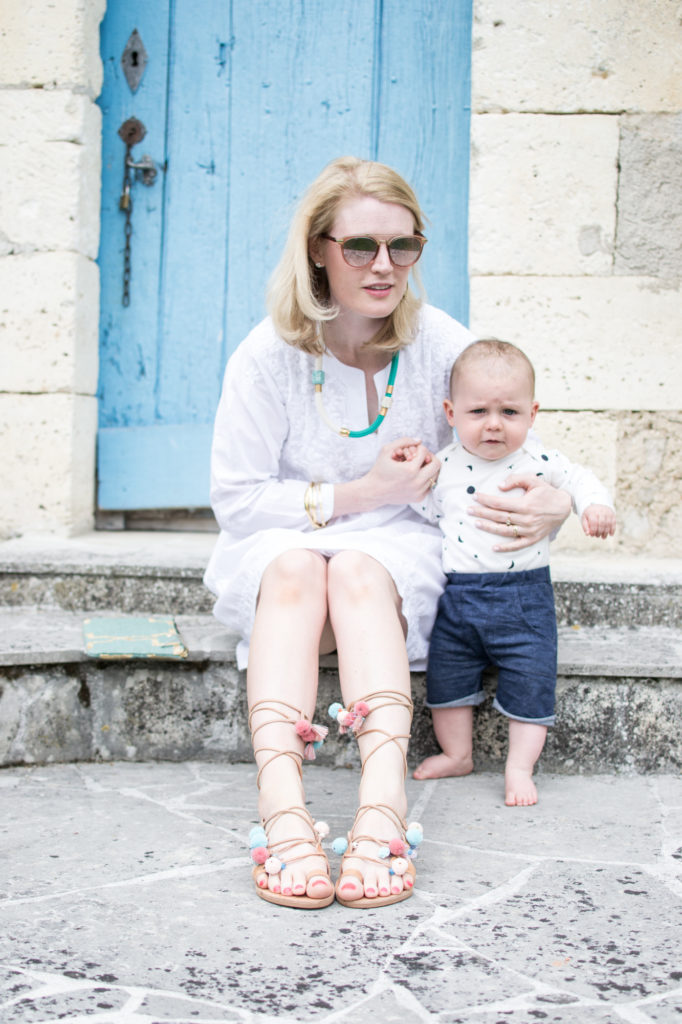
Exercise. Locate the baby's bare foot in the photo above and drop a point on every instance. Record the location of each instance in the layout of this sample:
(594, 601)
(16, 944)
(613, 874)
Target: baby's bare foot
(441, 766)
(519, 787)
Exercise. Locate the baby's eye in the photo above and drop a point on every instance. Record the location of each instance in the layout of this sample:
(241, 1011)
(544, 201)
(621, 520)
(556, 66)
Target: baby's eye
(510, 412)
(477, 412)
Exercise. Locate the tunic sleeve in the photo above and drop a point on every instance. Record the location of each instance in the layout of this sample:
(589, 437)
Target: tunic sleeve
(251, 426)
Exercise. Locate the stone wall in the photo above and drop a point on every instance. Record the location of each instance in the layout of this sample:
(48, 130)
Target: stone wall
(576, 236)
(575, 251)
(50, 76)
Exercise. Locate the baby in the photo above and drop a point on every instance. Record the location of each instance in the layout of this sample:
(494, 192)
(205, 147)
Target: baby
(498, 607)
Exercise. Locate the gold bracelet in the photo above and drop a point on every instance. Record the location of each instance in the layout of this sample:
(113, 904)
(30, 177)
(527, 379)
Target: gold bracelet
(312, 502)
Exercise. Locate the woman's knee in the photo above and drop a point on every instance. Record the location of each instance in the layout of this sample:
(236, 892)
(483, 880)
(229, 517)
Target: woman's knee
(359, 577)
(294, 577)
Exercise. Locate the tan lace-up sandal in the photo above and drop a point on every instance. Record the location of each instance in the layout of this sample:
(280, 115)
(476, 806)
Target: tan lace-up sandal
(270, 857)
(396, 852)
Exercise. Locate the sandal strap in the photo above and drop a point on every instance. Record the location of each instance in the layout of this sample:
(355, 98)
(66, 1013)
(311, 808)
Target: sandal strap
(280, 847)
(386, 699)
(280, 715)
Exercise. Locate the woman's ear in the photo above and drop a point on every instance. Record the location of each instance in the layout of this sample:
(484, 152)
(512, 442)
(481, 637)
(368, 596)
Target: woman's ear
(315, 252)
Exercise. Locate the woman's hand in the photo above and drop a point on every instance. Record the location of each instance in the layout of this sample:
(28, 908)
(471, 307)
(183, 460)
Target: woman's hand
(523, 519)
(404, 472)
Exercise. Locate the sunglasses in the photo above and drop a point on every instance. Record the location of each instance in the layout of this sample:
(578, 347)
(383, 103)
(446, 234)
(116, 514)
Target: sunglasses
(360, 250)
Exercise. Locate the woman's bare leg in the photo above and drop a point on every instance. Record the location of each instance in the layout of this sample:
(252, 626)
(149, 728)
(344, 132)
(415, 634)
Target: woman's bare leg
(454, 731)
(364, 610)
(283, 667)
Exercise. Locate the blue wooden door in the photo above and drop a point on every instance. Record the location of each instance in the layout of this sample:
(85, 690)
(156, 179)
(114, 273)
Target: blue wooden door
(244, 102)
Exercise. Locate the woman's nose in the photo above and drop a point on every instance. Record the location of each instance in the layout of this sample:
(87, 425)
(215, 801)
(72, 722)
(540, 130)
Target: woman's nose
(382, 261)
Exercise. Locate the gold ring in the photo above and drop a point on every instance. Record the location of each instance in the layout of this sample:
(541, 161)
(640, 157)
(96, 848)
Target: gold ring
(509, 522)
(516, 531)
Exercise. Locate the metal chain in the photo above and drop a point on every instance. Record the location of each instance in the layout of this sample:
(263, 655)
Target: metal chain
(126, 204)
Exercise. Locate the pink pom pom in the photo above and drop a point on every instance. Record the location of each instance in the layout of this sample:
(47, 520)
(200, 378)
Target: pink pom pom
(397, 847)
(361, 708)
(259, 855)
(306, 731)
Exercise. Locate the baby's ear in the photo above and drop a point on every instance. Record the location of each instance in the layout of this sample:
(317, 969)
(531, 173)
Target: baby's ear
(533, 412)
(449, 411)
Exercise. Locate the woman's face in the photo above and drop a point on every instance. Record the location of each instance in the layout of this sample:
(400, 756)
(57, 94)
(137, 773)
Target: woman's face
(372, 291)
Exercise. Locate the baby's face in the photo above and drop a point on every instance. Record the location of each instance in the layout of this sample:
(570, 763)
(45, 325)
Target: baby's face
(492, 407)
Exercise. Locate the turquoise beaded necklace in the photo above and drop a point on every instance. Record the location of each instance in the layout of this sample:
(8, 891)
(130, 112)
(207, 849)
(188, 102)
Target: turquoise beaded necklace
(318, 382)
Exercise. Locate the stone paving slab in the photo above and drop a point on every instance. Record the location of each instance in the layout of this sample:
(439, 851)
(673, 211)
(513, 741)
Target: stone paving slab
(37, 636)
(127, 899)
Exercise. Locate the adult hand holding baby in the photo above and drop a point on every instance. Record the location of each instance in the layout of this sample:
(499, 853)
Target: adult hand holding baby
(525, 519)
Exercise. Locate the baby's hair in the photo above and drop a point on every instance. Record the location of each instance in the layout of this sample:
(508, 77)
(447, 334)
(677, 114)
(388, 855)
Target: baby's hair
(491, 348)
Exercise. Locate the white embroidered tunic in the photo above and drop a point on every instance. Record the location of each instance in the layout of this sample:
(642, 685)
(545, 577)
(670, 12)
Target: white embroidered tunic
(269, 444)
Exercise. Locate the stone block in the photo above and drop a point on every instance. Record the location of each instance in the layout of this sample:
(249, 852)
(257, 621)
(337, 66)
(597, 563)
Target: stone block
(49, 306)
(36, 115)
(48, 445)
(596, 343)
(590, 439)
(50, 197)
(52, 45)
(542, 194)
(649, 237)
(545, 55)
(649, 491)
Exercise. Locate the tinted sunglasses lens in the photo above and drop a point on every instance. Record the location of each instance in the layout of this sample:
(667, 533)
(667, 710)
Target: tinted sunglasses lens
(359, 251)
(405, 251)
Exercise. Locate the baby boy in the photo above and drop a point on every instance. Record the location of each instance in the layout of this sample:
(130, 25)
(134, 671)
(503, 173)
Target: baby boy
(497, 608)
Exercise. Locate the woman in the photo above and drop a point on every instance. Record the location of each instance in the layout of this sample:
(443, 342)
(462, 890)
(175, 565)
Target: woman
(318, 550)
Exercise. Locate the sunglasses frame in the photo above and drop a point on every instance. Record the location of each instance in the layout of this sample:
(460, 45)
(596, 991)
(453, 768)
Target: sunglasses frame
(379, 242)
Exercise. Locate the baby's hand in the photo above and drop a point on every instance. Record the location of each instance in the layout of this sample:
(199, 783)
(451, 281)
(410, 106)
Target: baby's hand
(408, 452)
(599, 521)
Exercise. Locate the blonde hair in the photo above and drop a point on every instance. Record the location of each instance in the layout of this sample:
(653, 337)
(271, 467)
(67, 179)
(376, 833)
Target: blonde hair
(491, 348)
(298, 293)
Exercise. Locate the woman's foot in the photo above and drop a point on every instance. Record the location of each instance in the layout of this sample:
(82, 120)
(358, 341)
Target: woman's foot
(442, 766)
(365, 875)
(519, 787)
(305, 870)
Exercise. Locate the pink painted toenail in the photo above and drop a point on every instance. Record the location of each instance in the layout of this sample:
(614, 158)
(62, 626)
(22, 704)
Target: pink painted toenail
(370, 892)
(409, 883)
(384, 892)
(276, 888)
(286, 892)
(396, 889)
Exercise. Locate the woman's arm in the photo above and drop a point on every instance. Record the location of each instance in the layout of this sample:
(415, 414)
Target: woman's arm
(524, 520)
(251, 427)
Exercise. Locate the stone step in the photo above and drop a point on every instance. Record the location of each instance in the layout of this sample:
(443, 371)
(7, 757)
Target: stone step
(161, 573)
(619, 699)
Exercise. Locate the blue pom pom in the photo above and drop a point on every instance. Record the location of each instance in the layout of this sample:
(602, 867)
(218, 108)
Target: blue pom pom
(414, 836)
(334, 709)
(340, 845)
(257, 837)
(317, 744)
(384, 852)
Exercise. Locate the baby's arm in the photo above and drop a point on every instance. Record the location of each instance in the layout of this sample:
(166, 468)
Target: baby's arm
(599, 521)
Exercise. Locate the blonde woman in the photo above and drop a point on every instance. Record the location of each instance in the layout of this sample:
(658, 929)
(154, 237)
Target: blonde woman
(319, 550)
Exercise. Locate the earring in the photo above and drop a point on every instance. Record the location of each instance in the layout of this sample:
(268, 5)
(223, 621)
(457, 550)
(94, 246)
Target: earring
(319, 265)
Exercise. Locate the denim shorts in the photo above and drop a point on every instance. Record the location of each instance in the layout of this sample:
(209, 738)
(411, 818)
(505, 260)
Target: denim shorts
(505, 620)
